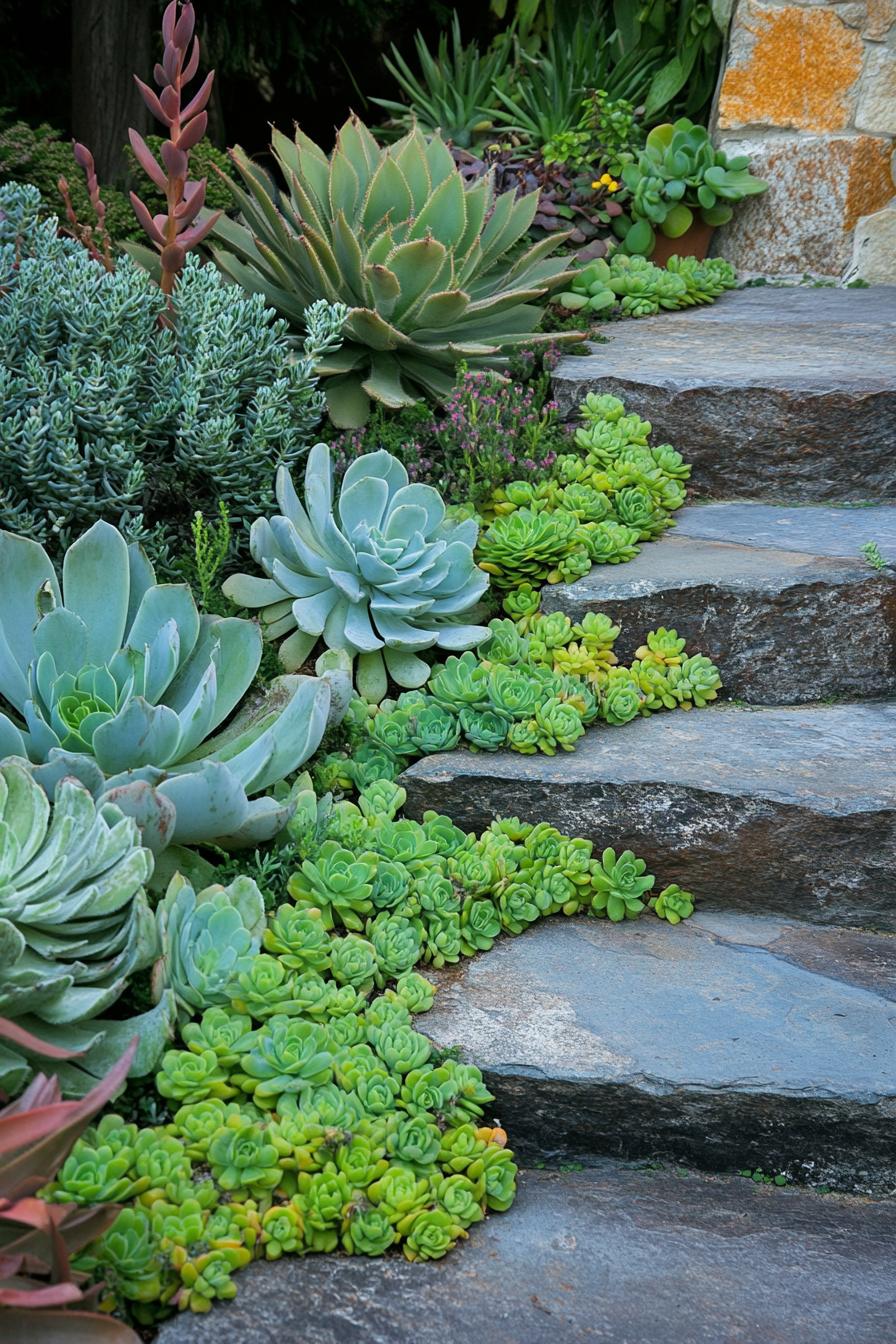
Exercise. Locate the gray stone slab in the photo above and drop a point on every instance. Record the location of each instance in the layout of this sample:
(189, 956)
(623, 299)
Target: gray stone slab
(772, 394)
(615, 1254)
(777, 810)
(756, 609)
(728, 1041)
(802, 305)
(815, 529)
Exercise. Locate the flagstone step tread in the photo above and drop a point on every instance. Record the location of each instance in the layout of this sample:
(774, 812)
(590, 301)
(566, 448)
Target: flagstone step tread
(771, 393)
(788, 811)
(727, 1041)
(610, 1255)
(785, 623)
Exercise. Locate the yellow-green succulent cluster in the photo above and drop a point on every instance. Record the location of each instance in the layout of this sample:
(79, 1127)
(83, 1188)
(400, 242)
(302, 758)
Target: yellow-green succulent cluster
(535, 686)
(307, 1113)
(595, 507)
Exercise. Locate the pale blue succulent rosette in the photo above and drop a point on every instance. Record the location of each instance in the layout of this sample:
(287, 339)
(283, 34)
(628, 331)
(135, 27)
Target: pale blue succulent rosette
(380, 573)
(120, 682)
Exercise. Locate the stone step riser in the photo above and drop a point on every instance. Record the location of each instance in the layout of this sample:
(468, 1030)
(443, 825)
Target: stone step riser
(777, 394)
(824, 1142)
(832, 634)
(778, 811)
(728, 1041)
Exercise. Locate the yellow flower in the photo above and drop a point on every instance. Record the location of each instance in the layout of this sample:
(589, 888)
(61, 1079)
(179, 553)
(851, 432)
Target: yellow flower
(612, 186)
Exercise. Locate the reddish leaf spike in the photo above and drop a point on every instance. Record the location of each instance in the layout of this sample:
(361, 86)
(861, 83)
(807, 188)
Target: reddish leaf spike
(191, 134)
(198, 102)
(152, 101)
(192, 64)
(183, 29)
(169, 19)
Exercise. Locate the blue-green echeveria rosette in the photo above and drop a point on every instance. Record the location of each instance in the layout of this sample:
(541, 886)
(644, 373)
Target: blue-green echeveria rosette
(206, 939)
(119, 681)
(75, 925)
(380, 573)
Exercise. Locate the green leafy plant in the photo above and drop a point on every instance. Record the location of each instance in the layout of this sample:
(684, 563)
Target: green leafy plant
(430, 272)
(678, 175)
(120, 682)
(455, 91)
(75, 926)
(871, 552)
(106, 414)
(545, 102)
(381, 574)
(631, 286)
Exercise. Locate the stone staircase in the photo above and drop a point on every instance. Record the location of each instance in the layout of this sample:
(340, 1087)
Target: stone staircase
(718, 1042)
(761, 1033)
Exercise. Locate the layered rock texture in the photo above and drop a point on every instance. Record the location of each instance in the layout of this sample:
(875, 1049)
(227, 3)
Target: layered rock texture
(809, 91)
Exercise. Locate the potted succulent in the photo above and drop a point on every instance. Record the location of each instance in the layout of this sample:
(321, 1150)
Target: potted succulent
(681, 189)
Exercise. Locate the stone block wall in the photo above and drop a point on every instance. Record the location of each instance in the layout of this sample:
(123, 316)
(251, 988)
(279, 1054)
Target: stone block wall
(809, 91)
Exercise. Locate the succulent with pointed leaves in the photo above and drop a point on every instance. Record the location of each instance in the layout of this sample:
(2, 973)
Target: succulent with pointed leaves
(175, 232)
(428, 267)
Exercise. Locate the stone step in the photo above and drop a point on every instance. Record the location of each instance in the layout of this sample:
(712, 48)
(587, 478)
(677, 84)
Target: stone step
(780, 598)
(614, 1254)
(728, 1041)
(771, 393)
(788, 811)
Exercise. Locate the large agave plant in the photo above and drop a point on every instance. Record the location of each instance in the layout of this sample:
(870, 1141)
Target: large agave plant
(118, 680)
(429, 268)
(74, 923)
(382, 574)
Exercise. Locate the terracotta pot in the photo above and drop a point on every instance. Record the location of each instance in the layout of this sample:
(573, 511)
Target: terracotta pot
(694, 242)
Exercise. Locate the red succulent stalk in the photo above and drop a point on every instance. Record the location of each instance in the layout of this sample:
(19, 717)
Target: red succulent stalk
(175, 232)
(84, 232)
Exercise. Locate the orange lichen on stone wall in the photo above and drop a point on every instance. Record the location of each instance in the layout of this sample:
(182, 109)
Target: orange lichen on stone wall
(870, 184)
(792, 68)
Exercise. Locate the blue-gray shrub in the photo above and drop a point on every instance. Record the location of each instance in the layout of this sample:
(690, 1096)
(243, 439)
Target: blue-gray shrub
(108, 412)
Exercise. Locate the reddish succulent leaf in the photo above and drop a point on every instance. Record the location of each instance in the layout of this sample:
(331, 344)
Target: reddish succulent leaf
(170, 100)
(174, 159)
(151, 99)
(198, 102)
(192, 64)
(146, 221)
(47, 1295)
(65, 1327)
(10, 1031)
(169, 19)
(147, 159)
(183, 29)
(192, 203)
(193, 132)
(41, 1139)
(190, 237)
